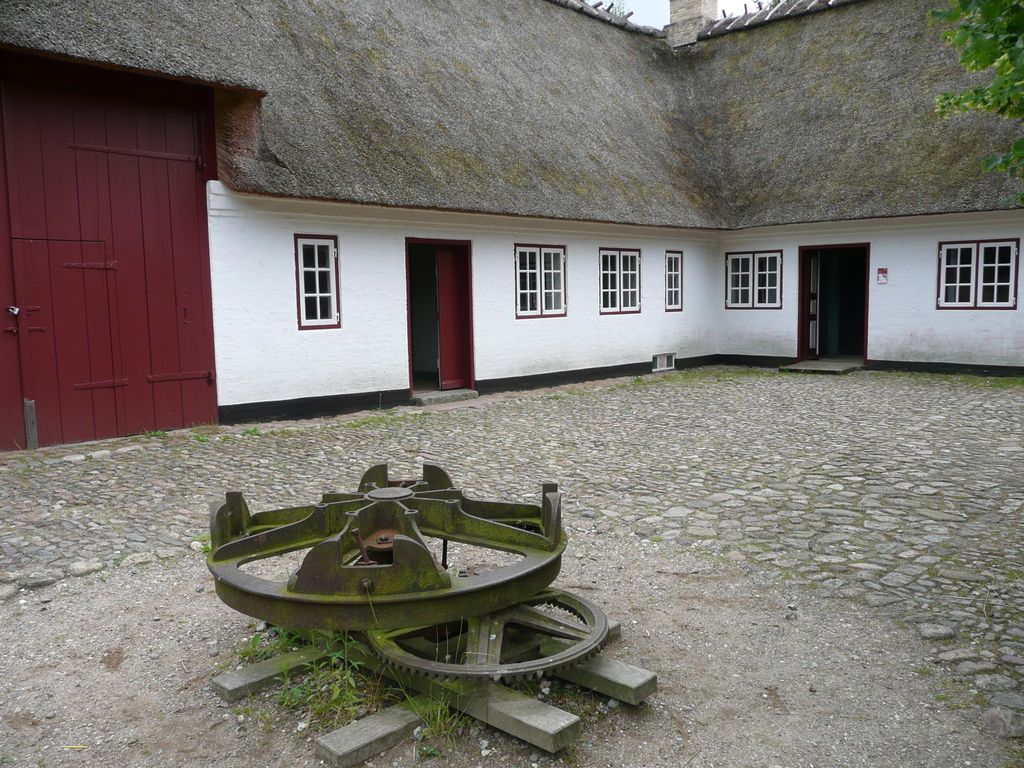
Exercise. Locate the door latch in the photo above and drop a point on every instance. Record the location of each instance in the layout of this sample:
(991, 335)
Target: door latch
(14, 311)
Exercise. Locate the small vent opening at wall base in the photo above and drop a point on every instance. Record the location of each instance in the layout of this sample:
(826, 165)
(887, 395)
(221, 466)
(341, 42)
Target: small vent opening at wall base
(663, 362)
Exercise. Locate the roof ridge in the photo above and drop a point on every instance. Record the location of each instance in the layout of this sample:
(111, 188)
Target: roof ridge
(786, 9)
(596, 12)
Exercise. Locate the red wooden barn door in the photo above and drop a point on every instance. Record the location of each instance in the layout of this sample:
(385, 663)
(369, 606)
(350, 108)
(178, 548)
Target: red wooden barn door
(454, 317)
(67, 339)
(107, 214)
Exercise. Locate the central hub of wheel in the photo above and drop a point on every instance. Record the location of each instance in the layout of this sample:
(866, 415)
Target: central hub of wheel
(389, 494)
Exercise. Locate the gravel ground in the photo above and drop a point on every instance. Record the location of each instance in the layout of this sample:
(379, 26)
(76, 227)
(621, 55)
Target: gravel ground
(791, 554)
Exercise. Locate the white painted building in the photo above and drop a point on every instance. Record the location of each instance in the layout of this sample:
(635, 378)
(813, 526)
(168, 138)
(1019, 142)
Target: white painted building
(369, 351)
(244, 210)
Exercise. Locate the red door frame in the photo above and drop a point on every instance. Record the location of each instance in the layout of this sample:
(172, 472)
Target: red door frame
(467, 247)
(802, 310)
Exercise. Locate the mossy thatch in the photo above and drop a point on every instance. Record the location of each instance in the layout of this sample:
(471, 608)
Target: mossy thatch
(537, 108)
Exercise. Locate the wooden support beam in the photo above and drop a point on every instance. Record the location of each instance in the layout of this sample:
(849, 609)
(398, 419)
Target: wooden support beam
(362, 739)
(239, 683)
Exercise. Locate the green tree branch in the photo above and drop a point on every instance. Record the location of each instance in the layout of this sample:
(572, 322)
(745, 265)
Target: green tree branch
(989, 34)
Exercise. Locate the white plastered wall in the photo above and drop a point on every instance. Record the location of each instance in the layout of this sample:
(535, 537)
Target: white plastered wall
(903, 322)
(263, 356)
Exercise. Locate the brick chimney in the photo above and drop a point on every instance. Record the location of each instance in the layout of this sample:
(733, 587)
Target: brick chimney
(687, 18)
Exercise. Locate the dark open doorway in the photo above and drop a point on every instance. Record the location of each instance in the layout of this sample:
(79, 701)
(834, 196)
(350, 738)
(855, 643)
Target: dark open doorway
(440, 315)
(833, 301)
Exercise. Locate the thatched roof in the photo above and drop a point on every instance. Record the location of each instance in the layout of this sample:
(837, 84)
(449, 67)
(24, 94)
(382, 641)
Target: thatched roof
(550, 108)
(831, 116)
(522, 107)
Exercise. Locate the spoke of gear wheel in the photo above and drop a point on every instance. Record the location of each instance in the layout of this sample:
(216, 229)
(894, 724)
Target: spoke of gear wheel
(488, 646)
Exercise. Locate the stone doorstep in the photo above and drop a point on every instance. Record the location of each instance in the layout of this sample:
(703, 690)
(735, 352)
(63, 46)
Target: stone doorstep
(824, 365)
(444, 396)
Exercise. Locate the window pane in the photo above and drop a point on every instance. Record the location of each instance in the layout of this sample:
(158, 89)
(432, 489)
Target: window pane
(1004, 273)
(964, 294)
(325, 308)
(311, 313)
(325, 281)
(1003, 294)
(323, 256)
(987, 294)
(309, 282)
(1005, 254)
(308, 256)
(950, 294)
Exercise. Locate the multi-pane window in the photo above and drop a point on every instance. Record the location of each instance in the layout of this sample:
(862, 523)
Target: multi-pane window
(620, 281)
(754, 280)
(673, 281)
(540, 280)
(979, 275)
(316, 272)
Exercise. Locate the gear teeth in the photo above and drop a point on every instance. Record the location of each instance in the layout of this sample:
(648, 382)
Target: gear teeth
(430, 668)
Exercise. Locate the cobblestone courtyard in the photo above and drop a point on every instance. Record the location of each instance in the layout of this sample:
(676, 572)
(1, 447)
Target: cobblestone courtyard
(902, 492)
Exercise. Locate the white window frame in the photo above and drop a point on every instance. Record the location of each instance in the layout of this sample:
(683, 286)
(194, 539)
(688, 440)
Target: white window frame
(540, 281)
(332, 318)
(959, 282)
(619, 290)
(747, 285)
(971, 277)
(673, 281)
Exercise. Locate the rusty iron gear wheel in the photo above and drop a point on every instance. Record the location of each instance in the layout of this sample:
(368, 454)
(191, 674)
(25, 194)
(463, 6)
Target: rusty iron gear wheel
(524, 640)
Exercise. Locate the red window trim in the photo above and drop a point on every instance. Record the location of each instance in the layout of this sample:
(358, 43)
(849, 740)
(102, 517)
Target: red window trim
(639, 281)
(540, 286)
(974, 306)
(680, 307)
(753, 275)
(298, 283)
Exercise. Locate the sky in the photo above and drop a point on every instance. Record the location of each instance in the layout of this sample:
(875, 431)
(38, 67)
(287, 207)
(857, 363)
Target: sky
(654, 13)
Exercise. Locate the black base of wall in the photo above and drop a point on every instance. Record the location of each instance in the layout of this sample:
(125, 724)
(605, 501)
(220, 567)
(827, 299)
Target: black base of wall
(754, 361)
(539, 380)
(311, 407)
(973, 369)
